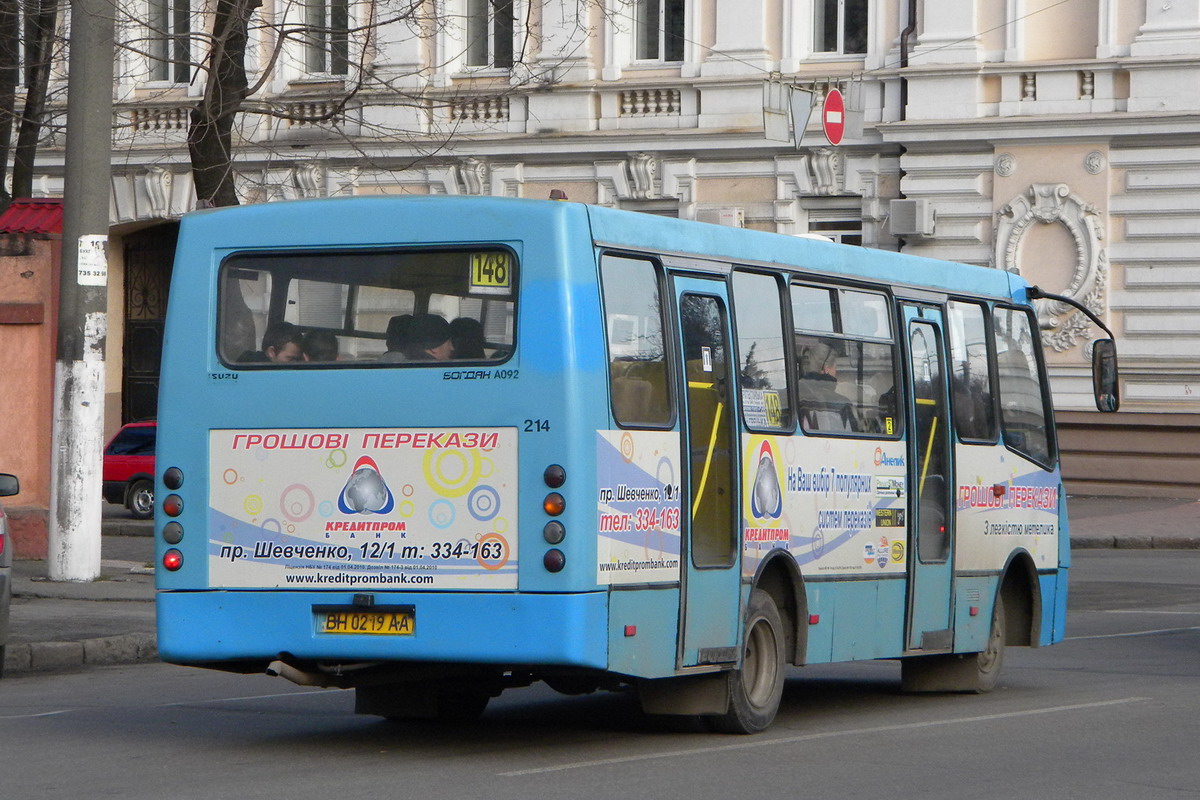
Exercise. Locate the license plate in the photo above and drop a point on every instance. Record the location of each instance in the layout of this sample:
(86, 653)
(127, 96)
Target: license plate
(366, 623)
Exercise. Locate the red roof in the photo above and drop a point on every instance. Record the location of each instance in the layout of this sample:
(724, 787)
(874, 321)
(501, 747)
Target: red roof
(33, 216)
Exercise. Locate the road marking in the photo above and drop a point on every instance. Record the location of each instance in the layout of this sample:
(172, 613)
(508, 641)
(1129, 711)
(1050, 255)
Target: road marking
(1135, 611)
(205, 701)
(184, 703)
(809, 737)
(40, 714)
(1132, 633)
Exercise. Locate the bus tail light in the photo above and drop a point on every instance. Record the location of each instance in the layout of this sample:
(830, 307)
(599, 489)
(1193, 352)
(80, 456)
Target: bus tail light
(172, 506)
(172, 560)
(172, 533)
(173, 478)
(554, 504)
(554, 476)
(554, 532)
(554, 560)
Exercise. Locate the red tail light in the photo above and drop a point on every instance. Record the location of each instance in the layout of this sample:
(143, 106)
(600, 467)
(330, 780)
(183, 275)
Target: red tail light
(172, 559)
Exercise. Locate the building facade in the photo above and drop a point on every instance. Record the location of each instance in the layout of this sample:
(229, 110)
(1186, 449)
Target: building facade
(1054, 138)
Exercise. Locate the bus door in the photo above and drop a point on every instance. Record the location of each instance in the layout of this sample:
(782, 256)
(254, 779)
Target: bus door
(710, 617)
(931, 533)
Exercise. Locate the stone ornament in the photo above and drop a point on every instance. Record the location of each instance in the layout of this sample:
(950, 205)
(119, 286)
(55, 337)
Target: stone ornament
(309, 179)
(1054, 203)
(158, 182)
(473, 174)
(643, 168)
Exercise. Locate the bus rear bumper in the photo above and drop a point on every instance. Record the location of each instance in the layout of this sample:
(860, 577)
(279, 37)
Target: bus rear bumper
(473, 628)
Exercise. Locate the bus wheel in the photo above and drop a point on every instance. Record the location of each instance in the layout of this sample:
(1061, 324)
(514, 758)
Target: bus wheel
(991, 659)
(756, 688)
(141, 500)
(963, 672)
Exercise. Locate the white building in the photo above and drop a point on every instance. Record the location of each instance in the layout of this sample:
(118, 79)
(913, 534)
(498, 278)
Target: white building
(1056, 138)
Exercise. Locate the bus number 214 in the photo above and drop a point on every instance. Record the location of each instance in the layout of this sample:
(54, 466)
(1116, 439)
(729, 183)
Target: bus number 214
(537, 425)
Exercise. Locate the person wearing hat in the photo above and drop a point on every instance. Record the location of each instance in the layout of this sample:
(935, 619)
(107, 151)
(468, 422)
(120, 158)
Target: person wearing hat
(428, 339)
(822, 407)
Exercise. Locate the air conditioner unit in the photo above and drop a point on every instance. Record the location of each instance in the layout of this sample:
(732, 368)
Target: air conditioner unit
(730, 217)
(911, 218)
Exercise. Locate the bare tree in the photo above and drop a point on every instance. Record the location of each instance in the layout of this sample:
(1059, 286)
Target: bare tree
(210, 140)
(333, 42)
(10, 45)
(31, 24)
(233, 50)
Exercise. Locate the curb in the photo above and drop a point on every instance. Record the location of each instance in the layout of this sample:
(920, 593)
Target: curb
(1118, 542)
(126, 648)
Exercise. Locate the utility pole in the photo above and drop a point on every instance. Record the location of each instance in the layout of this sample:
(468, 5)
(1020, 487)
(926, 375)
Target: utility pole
(75, 496)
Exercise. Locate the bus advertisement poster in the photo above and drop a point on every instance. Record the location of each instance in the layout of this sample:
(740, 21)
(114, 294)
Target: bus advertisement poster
(363, 508)
(835, 504)
(638, 506)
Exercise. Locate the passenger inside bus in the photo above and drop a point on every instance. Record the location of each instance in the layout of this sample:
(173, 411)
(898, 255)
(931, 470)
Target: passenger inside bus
(429, 339)
(397, 335)
(822, 407)
(320, 346)
(282, 343)
(467, 335)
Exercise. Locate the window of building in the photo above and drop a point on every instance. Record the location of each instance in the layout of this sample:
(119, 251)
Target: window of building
(840, 26)
(637, 358)
(170, 26)
(1023, 412)
(327, 36)
(659, 29)
(970, 379)
(845, 361)
(836, 218)
(490, 28)
(762, 356)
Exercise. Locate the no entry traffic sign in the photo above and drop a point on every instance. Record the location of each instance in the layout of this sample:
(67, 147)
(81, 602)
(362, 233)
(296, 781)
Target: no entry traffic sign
(833, 117)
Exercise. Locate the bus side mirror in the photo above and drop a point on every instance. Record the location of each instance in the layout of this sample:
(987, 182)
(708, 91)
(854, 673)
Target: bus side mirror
(1104, 375)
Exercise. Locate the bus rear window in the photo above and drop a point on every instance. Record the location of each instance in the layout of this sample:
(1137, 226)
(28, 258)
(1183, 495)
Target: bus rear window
(367, 308)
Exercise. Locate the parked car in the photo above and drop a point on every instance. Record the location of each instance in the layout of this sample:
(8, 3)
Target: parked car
(129, 468)
(8, 487)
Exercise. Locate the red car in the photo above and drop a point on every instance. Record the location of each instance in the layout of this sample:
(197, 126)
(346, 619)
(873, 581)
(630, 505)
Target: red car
(129, 468)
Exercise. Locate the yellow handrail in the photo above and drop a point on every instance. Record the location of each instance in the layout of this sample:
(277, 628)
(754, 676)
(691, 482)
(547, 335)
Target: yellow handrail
(712, 444)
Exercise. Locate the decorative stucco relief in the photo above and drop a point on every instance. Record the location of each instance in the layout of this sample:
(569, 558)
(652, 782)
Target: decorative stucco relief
(473, 174)
(643, 168)
(1054, 203)
(158, 181)
(828, 176)
(308, 179)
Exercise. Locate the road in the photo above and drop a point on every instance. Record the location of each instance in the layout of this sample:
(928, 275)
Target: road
(1111, 713)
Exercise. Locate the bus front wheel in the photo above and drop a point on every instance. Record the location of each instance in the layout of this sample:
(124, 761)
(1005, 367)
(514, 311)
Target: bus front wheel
(756, 688)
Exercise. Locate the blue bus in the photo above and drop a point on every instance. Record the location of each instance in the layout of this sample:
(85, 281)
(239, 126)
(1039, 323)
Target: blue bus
(430, 448)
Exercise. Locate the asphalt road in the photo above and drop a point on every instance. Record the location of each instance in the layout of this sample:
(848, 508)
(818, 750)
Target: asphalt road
(1113, 712)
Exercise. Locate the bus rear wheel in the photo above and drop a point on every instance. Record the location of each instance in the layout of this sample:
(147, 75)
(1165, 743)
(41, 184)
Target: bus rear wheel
(757, 687)
(965, 672)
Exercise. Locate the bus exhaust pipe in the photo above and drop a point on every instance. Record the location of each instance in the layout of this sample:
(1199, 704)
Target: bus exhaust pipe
(280, 669)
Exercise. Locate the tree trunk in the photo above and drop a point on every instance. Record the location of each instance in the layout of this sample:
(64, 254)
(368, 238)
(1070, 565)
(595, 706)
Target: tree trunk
(41, 21)
(10, 24)
(210, 133)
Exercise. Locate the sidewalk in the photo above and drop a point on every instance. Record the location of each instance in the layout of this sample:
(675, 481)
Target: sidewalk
(59, 625)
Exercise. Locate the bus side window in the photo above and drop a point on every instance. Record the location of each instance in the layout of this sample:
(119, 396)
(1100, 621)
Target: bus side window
(762, 357)
(637, 361)
(1023, 412)
(971, 380)
(845, 362)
